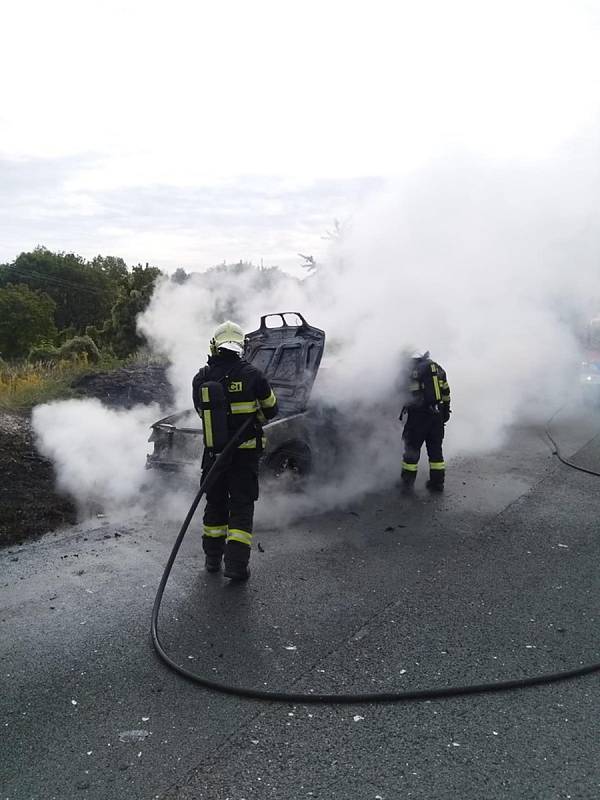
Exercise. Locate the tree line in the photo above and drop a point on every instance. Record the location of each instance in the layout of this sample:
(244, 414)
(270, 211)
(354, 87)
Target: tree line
(60, 303)
(55, 305)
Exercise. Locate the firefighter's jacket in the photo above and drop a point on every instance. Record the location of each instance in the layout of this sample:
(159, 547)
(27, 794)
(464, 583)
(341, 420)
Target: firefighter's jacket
(428, 388)
(247, 391)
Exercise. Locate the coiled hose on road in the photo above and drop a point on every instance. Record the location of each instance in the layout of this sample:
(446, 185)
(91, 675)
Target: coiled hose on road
(360, 697)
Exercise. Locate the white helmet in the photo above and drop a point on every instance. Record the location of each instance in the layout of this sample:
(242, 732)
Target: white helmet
(228, 336)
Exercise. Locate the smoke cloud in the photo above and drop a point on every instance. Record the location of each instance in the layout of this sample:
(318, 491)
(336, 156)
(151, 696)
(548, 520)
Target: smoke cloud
(490, 265)
(98, 452)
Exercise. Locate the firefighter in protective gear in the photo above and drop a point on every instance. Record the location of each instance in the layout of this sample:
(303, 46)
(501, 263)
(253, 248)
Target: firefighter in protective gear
(428, 409)
(229, 511)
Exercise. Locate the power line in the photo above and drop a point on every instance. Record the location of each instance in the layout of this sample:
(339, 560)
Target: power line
(53, 280)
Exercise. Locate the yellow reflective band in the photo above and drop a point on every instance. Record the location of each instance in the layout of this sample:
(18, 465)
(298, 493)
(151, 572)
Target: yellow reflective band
(414, 387)
(207, 423)
(437, 465)
(244, 408)
(409, 467)
(235, 535)
(207, 419)
(215, 531)
(269, 402)
(250, 444)
(436, 388)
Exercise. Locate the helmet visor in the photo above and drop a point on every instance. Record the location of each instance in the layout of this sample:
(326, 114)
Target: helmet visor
(234, 347)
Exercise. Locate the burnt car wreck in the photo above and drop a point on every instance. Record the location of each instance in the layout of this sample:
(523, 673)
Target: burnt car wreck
(288, 351)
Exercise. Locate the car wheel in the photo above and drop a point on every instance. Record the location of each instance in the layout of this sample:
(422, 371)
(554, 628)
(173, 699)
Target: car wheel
(290, 462)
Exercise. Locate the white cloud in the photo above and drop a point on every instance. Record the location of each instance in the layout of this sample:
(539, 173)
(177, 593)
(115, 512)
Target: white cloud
(133, 96)
(197, 90)
(257, 219)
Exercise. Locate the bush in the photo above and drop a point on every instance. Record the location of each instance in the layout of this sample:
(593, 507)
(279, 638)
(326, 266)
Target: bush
(66, 334)
(43, 354)
(78, 346)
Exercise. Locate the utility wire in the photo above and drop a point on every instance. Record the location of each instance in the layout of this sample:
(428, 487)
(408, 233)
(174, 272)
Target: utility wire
(53, 280)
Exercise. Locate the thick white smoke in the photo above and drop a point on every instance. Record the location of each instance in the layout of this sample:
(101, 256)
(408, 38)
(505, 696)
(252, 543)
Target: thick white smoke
(180, 319)
(98, 452)
(486, 264)
(489, 265)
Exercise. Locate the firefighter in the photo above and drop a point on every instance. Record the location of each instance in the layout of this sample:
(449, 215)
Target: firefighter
(230, 499)
(428, 410)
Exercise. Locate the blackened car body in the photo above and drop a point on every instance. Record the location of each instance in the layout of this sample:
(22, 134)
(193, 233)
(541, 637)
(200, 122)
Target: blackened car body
(288, 351)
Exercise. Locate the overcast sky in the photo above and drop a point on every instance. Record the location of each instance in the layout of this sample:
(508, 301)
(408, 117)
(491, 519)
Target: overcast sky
(188, 133)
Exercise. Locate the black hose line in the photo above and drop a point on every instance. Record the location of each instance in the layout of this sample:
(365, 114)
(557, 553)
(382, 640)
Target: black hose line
(558, 454)
(556, 448)
(339, 699)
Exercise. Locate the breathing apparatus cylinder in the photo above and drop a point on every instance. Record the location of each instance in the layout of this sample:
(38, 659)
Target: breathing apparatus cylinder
(215, 411)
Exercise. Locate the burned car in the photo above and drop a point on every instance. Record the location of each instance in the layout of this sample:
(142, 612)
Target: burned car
(288, 351)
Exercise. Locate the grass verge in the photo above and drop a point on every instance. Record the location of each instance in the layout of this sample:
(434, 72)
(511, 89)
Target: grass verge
(25, 385)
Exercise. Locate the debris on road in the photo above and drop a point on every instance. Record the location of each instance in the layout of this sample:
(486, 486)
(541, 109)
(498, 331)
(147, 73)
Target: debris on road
(133, 736)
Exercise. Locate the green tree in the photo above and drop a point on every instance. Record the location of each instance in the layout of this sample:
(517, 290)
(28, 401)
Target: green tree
(115, 269)
(142, 278)
(84, 292)
(134, 298)
(26, 319)
(120, 331)
(180, 276)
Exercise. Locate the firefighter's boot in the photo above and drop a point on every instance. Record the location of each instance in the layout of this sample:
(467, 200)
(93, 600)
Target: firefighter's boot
(212, 563)
(408, 476)
(436, 481)
(237, 556)
(213, 547)
(407, 481)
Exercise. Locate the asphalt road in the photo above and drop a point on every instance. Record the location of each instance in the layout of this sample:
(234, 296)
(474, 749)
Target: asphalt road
(496, 579)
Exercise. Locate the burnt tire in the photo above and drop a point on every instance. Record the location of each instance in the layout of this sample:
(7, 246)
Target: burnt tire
(291, 462)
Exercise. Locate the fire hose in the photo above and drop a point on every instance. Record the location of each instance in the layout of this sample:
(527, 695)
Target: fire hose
(360, 697)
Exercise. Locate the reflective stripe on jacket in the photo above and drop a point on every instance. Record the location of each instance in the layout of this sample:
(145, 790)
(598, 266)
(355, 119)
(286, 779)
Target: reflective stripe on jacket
(247, 391)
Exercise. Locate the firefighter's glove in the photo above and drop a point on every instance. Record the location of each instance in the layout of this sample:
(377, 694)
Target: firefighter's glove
(445, 414)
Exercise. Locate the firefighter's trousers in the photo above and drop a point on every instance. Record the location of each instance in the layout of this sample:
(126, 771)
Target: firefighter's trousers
(423, 427)
(229, 511)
